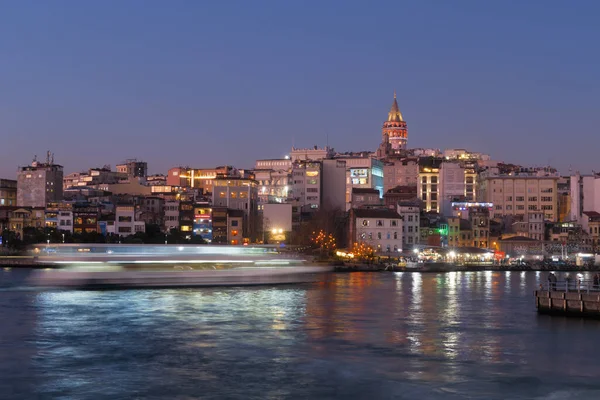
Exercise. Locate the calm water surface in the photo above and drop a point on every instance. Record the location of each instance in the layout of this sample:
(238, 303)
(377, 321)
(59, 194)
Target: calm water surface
(360, 335)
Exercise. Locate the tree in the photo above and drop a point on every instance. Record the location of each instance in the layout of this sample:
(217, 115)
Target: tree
(325, 241)
(363, 252)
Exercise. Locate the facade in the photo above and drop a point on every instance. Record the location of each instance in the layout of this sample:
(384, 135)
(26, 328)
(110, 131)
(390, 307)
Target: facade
(59, 216)
(400, 194)
(126, 222)
(171, 215)
(479, 217)
(151, 210)
(238, 194)
(40, 183)
(228, 226)
(311, 154)
(536, 226)
(133, 168)
(411, 223)
(186, 177)
(203, 221)
(428, 183)
(92, 178)
(277, 217)
(362, 172)
(519, 194)
(274, 180)
(307, 184)
(379, 228)
(334, 186)
(26, 217)
(365, 197)
(8, 192)
(186, 218)
(400, 172)
(85, 218)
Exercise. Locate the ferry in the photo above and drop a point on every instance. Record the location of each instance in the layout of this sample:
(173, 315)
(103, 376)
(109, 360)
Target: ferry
(127, 266)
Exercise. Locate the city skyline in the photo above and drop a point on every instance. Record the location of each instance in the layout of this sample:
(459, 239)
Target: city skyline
(166, 84)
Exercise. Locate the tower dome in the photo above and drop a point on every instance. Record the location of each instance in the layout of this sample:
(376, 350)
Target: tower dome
(394, 130)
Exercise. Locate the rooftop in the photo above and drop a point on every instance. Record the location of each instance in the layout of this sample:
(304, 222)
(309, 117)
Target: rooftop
(375, 213)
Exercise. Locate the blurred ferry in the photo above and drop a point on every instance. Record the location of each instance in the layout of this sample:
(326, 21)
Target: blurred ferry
(124, 266)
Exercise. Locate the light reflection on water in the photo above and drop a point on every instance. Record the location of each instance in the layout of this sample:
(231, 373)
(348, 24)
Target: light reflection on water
(417, 335)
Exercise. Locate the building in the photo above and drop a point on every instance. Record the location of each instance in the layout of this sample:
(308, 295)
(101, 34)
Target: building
(410, 212)
(238, 194)
(479, 217)
(186, 177)
(307, 184)
(126, 221)
(400, 194)
(274, 180)
(133, 168)
(428, 183)
(93, 178)
(521, 193)
(228, 226)
(85, 218)
(59, 216)
(26, 217)
(535, 225)
(333, 185)
(151, 210)
(394, 132)
(379, 228)
(400, 172)
(311, 154)
(8, 192)
(203, 221)
(40, 183)
(362, 171)
(362, 197)
(171, 215)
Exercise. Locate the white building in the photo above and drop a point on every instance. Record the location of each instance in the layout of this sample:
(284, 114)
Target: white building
(379, 228)
(334, 184)
(536, 226)
(126, 222)
(307, 184)
(585, 195)
(409, 212)
(274, 180)
(171, 210)
(311, 154)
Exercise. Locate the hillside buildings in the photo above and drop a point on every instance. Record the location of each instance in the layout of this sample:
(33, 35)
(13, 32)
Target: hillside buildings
(40, 183)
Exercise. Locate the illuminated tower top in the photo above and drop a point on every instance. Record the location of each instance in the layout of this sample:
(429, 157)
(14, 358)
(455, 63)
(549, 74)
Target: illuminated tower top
(394, 130)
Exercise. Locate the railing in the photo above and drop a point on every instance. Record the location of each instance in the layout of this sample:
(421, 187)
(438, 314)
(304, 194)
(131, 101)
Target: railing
(575, 285)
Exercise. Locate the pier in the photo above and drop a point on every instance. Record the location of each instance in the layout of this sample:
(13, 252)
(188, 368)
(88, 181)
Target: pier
(573, 298)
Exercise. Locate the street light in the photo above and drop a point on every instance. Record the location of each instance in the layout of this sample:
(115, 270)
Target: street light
(63, 237)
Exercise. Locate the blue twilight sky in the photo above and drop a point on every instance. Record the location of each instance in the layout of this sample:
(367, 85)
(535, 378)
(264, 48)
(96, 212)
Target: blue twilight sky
(203, 83)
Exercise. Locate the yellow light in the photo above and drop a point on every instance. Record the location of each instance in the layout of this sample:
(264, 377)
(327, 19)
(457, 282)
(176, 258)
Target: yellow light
(274, 231)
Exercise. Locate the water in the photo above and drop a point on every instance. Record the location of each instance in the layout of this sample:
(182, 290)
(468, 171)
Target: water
(360, 335)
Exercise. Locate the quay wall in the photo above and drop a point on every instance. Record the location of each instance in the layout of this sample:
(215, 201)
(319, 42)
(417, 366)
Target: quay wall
(568, 303)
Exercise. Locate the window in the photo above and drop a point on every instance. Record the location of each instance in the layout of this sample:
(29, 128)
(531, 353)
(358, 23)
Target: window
(532, 198)
(312, 190)
(370, 235)
(520, 207)
(311, 181)
(434, 179)
(388, 236)
(393, 223)
(234, 222)
(509, 207)
(508, 198)
(532, 207)
(520, 198)
(312, 173)
(378, 235)
(365, 222)
(547, 208)
(379, 222)
(498, 207)
(410, 239)
(410, 218)
(395, 235)
(546, 198)
(222, 195)
(363, 235)
(233, 195)
(424, 180)
(410, 229)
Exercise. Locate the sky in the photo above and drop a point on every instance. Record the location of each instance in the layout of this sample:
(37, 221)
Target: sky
(206, 83)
